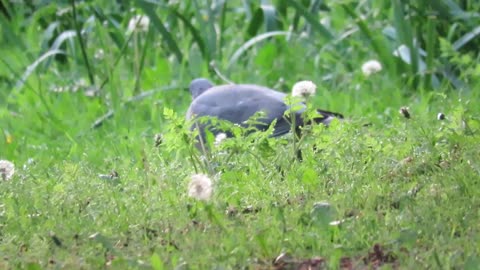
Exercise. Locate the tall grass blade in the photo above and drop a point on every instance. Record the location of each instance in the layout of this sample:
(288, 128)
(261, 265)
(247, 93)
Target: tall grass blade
(208, 30)
(255, 23)
(266, 13)
(149, 9)
(430, 47)
(404, 33)
(115, 34)
(10, 35)
(449, 6)
(194, 31)
(281, 7)
(35, 64)
(146, 44)
(49, 34)
(457, 45)
(316, 25)
(247, 8)
(82, 44)
(223, 27)
(315, 6)
(117, 60)
(15, 74)
(252, 42)
(269, 16)
(66, 35)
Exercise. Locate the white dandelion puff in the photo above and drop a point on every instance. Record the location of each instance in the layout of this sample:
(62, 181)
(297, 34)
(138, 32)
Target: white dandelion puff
(7, 169)
(200, 187)
(370, 67)
(304, 89)
(138, 23)
(219, 138)
(325, 21)
(304, 35)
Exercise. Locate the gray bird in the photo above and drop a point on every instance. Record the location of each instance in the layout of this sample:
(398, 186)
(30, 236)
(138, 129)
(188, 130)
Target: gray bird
(236, 103)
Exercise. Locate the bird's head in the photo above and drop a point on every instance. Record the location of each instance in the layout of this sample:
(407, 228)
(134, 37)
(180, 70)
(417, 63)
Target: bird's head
(198, 86)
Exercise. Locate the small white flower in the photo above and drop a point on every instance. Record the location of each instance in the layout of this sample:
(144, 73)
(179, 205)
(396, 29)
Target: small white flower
(370, 67)
(325, 21)
(138, 23)
(59, 89)
(7, 169)
(30, 162)
(304, 89)
(336, 222)
(219, 138)
(99, 54)
(200, 187)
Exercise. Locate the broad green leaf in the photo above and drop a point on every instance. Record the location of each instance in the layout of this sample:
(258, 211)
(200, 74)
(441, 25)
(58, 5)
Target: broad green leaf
(156, 262)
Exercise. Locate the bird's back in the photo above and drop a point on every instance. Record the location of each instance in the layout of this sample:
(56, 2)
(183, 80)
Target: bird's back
(237, 103)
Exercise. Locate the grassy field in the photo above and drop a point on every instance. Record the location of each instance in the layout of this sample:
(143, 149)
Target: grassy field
(95, 127)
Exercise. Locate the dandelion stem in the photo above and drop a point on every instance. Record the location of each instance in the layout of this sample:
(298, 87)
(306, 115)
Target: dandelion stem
(207, 164)
(193, 158)
(258, 159)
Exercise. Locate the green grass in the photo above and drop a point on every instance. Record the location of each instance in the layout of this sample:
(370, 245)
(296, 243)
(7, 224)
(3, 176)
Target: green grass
(409, 185)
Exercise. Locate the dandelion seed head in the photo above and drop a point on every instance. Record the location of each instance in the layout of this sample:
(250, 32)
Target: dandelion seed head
(325, 21)
(304, 34)
(304, 89)
(219, 138)
(370, 67)
(138, 23)
(7, 169)
(200, 187)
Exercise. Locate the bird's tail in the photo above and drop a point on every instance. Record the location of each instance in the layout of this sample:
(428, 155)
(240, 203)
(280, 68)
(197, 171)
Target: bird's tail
(326, 117)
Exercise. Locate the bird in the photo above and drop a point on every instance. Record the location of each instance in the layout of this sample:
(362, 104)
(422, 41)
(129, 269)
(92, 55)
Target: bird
(236, 103)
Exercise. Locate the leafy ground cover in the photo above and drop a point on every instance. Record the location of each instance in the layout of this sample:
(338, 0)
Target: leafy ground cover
(96, 186)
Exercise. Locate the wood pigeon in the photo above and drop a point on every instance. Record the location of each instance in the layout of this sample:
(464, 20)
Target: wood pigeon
(236, 103)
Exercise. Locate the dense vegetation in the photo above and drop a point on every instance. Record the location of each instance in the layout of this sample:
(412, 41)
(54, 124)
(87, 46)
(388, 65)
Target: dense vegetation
(92, 103)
